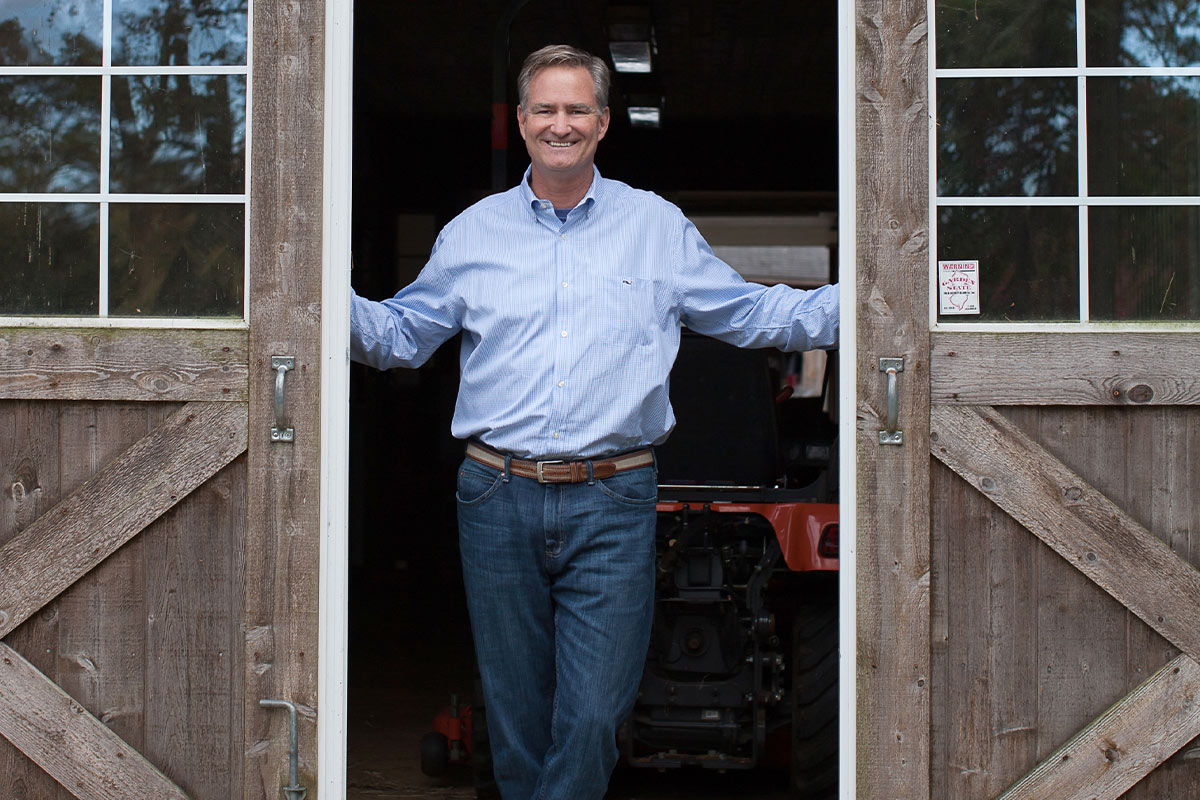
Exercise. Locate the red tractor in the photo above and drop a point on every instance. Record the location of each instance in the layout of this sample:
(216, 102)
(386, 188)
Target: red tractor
(743, 660)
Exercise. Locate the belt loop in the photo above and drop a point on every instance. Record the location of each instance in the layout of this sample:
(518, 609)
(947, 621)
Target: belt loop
(506, 476)
(591, 479)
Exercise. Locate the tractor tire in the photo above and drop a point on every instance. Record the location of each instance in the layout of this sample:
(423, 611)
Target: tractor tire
(815, 698)
(435, 754)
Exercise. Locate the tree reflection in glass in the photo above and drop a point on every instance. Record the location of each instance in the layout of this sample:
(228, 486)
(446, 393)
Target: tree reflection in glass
(178, 133)
(51, 258)
(49, 133)
(170, 260)
(60, 33)
(179, 32)
(1003, 33)
(1144, 262)
(1142, 136)
(1028, 259)
(1143, 33)
(1007, 137)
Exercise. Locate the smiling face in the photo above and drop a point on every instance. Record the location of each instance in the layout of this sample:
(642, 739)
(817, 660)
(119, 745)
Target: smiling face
(561, 126)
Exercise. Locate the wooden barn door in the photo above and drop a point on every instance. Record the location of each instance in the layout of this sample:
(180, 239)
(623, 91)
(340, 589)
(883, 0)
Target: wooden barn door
(158, 542)
(1028, 595)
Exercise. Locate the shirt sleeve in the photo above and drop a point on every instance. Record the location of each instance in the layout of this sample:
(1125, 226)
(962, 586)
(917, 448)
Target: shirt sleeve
(715, 300)
(405, 330)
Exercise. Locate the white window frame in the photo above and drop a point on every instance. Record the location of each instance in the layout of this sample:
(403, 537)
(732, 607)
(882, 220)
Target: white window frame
(105, 197)
(847, 404)
(334, 578)
(1081, 200)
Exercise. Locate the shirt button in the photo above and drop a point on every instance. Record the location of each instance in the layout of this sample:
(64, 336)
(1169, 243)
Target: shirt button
(564, 284)
(556, 434)
(562, 236)
(563, 334)
(562, 383)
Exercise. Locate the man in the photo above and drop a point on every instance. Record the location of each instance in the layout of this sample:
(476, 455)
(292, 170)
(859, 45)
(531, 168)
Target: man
(570, 290)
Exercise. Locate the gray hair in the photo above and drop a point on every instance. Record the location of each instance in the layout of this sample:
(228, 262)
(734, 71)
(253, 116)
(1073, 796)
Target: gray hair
(563, 55)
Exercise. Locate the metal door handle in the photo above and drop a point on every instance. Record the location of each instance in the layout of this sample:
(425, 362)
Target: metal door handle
(282, 365)
(294, 790)
(892, 366)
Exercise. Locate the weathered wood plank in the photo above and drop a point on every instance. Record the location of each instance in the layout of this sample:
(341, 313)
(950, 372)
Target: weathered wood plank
(102, 616)
(283, 514)
(123, 364)
(1124, 744)
(1074, 519)
(892, 533)
(1081, 630)
(110, 508)
(193, 637)
(37, 474)
(1161, 493)
(1064, 369)
(985, 704)
(70, 744)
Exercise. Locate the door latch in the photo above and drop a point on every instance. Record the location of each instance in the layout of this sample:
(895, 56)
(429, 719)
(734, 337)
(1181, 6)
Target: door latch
(282, 365)
(892, 367)
(293, 790)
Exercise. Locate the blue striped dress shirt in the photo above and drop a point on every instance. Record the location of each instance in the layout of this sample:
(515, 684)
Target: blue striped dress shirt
(570, 328)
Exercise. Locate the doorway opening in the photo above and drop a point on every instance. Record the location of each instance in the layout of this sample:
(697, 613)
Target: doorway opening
(746, 143)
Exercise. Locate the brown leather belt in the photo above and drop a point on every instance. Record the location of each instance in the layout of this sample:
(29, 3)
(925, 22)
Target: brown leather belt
(561, 471)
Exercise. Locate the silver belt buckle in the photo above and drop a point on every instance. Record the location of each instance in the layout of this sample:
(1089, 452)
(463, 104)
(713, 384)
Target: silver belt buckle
(540, 477)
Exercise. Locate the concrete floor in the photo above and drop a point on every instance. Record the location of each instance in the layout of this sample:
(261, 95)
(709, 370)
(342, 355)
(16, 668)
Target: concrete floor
(410, 649)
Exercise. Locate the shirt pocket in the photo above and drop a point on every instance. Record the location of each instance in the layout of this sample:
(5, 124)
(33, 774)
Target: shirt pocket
(622, 309)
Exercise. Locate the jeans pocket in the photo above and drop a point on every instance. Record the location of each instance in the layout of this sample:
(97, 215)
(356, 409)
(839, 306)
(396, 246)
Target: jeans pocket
(637, 486)
(476, 483)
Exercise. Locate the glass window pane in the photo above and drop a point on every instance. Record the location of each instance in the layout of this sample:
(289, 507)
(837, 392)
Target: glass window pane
(1007, 137)
(179, 32)
(59, 33)
(178, 133)
(1002, 33)
(1145, 262)
(49, 133)
(176, 260)
(1028, 259)
(1143, 33)
(50, 257)
(1142, 136)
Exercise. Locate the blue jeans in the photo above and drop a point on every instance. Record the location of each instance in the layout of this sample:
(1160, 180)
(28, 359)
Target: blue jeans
(560, 587)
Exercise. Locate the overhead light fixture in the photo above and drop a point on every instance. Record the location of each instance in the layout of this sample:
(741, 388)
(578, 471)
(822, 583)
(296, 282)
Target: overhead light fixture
(645, 110)
(630, 56)
(645, 116)
(631, 38)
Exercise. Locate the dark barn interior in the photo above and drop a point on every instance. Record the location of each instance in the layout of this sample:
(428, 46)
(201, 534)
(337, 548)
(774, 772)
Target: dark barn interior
(748, 125)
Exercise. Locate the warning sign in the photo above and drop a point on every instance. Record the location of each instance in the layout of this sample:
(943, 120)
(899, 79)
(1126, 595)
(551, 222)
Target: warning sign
(958, 287)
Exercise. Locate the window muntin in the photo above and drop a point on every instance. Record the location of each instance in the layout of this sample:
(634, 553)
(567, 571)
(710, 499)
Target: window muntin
(1031, 151)
(123, 130)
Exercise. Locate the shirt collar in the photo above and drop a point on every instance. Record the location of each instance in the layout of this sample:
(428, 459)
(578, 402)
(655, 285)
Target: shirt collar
(594, 191)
